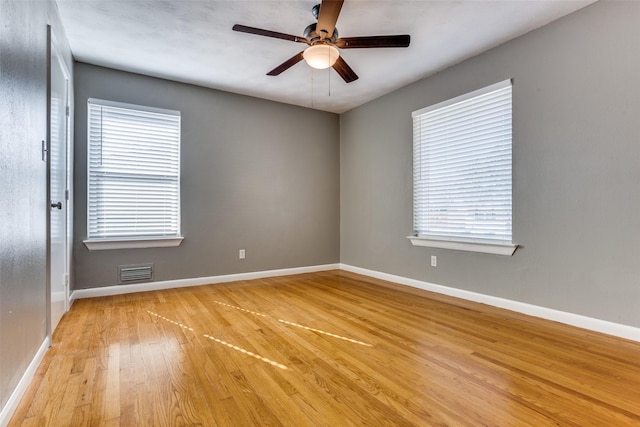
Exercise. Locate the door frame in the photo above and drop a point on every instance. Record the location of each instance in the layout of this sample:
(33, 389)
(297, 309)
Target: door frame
(53, 46)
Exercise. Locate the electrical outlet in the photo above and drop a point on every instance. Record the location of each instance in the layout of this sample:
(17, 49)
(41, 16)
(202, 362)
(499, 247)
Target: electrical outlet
(434, 261)
(241, 254)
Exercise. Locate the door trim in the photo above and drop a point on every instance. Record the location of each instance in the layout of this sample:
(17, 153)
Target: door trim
(54, 52)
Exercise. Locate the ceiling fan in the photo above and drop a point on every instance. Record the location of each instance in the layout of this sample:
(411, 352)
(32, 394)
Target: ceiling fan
(324, 42)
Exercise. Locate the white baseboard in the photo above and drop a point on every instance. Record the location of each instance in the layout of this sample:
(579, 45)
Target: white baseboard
(23, 384)
(182, 283)
(597, 325)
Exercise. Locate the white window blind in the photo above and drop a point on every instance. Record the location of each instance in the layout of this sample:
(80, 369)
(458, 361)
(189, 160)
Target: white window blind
(462, 167)
(133, 171)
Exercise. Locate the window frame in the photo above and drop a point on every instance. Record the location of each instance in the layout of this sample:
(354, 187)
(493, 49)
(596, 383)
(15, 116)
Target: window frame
(140, 241)
(489, 246)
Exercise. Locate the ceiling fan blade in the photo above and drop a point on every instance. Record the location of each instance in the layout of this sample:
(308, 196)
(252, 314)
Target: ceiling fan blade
(342, 68)
(269, 33)
(286, 65)
(373, 42)
(327, 17)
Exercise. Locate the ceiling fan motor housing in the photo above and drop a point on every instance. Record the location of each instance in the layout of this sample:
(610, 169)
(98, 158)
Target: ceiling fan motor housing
(313, 37)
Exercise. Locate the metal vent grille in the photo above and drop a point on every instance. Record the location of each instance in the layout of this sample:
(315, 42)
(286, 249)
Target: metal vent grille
(135, 273)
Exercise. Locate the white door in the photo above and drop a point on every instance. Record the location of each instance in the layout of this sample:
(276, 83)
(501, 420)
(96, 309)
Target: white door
(58, 188)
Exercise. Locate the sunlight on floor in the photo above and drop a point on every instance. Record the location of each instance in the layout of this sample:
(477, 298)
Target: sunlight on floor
(296, 325)
(324, 333)
(247, 352)
(219, 341)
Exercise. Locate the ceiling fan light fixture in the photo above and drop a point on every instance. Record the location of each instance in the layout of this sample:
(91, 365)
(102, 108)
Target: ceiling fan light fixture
(321, 56)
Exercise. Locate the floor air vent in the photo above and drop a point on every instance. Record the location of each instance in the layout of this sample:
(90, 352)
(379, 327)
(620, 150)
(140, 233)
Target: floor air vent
(135, 273)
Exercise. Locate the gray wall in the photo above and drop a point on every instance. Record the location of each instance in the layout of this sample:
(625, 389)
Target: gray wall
(256, 175)
(576, 156)
(23, 224)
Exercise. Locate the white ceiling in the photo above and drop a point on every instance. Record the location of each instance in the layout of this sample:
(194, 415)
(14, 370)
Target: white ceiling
(191, 41)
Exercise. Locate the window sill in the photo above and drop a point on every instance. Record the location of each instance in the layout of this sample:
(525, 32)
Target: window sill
(107, 244)
(470, 246)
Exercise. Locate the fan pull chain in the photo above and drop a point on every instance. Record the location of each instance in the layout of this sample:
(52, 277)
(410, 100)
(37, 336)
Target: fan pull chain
(312, 87)
(329, 70)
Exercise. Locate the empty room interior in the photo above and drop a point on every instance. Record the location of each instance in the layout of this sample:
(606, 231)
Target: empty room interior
(386, 213)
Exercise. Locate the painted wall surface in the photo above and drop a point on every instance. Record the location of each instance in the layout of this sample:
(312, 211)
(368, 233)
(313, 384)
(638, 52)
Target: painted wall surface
(576, 174)
(23, 227)
(256, 175)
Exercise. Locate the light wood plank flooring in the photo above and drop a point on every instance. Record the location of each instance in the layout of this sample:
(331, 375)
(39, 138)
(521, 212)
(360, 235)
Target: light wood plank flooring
(324, 349)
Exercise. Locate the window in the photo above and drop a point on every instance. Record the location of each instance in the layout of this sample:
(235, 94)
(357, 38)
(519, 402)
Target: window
(133, 176)
(462, 172)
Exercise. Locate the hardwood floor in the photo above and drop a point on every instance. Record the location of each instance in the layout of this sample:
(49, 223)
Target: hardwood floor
(324, 349)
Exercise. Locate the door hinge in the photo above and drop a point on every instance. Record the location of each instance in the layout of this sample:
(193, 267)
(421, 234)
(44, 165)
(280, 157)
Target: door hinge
(67, 111)
(66, 194)
(45, 150)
